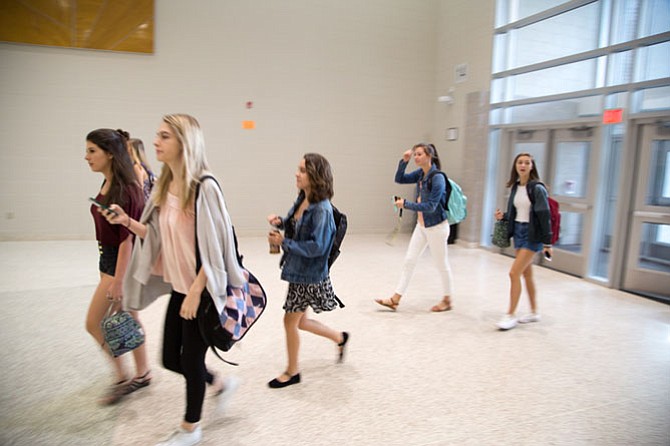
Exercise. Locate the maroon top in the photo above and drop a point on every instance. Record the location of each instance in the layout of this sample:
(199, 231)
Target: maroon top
(113, 235)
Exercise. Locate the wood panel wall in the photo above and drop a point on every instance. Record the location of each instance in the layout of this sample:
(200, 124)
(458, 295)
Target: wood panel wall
(118, 25)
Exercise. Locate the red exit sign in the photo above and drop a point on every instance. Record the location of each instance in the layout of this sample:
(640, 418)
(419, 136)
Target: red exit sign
(613, 116)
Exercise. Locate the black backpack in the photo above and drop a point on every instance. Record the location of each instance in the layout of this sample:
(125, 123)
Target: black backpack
(340, 232)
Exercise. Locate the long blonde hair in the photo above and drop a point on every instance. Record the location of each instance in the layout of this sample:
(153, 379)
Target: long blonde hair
(187, 130)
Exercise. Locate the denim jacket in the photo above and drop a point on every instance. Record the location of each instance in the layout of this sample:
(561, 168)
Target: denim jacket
(305, 257)
(433, 211)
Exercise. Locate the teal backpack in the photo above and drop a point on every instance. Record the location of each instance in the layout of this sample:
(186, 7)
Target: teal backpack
(455, 203)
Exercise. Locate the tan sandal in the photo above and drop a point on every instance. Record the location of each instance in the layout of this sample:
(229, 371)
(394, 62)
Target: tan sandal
(388, 303)
(442, 306)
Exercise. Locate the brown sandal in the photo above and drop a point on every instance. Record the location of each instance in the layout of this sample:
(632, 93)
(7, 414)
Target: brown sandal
(388, 303)
(139, 382)
(442, 306)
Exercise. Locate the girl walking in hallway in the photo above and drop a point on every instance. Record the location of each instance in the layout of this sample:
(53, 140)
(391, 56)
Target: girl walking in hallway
(529, 223)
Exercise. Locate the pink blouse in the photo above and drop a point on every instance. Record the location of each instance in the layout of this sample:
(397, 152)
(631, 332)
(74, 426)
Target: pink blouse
(177, 229)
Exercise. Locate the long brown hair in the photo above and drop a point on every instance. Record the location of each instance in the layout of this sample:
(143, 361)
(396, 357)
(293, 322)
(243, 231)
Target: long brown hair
(514, 175)
(320, 177)
(123, 180)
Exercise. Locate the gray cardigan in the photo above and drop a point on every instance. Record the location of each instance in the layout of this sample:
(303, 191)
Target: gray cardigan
(215, 242)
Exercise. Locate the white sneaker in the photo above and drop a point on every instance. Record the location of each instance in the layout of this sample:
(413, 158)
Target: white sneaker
(182, 437)
(230, 386)
(531, 317)
(507, 322)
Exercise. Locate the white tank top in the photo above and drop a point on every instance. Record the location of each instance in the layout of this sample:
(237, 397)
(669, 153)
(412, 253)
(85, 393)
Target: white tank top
(522, 205)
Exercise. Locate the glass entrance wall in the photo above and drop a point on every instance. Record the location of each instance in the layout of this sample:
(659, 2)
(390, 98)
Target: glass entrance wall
(561, 64)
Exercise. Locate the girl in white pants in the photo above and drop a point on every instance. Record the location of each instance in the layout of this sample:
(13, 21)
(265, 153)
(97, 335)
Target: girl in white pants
(436, 238)
(432, 227)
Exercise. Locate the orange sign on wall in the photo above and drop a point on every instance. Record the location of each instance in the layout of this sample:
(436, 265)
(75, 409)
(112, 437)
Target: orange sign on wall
(613, 116)
(248, 125)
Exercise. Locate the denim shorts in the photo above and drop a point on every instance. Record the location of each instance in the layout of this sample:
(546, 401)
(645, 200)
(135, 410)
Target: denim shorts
(521, 238)
(107, 261)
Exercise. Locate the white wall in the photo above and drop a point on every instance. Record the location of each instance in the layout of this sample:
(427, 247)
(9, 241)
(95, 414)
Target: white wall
(353, 80)
(465, 33)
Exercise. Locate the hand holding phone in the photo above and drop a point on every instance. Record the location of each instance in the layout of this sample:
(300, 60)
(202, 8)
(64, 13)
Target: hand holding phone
(395, 206)
(102, 206)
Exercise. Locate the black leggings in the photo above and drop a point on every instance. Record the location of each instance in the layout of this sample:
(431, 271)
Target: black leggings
(184, 353)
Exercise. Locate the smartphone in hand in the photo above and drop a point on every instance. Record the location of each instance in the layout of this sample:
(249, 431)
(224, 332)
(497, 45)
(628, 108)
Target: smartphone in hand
(102, 206)
(396, 198)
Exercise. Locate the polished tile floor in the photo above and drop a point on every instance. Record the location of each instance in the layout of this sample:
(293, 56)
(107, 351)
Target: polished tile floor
(595, 371)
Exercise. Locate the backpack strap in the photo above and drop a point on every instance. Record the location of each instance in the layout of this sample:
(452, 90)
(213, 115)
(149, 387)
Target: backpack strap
(448, 187)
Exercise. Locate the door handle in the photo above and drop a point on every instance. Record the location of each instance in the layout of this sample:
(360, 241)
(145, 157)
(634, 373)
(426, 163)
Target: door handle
(580, 206)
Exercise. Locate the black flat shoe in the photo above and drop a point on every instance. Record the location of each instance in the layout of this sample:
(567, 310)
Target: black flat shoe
(342, 345)
(276, 384)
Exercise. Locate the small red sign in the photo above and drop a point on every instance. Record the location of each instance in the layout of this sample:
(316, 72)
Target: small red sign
(613, 116)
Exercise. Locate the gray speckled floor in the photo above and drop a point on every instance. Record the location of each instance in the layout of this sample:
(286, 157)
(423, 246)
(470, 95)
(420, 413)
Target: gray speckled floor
(595, 371)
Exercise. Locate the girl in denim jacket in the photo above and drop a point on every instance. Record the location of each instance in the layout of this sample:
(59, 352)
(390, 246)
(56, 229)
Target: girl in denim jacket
(432, 226)
(310, 229)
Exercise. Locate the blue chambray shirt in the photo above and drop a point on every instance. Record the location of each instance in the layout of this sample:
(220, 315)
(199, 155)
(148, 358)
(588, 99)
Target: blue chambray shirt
(433, 212)
(306, 255)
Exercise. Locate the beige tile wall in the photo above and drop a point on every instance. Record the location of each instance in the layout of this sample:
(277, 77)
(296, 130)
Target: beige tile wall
(356, 81)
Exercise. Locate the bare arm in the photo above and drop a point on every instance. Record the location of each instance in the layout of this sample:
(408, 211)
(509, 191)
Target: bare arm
(121, 218)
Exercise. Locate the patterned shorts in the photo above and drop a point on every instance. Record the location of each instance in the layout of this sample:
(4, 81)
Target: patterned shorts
(319, 296)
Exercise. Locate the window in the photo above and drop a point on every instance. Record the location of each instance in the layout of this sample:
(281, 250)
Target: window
(569, 33)
(509, 11)
(557, 48)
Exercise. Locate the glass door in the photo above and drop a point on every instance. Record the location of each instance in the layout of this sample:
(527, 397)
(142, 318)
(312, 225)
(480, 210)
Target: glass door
(647, 269)
(571, 182)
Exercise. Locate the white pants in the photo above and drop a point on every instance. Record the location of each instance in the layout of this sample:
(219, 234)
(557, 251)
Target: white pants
(435, 237)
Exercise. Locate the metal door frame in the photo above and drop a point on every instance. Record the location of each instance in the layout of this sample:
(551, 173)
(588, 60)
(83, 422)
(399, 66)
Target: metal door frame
(638, 154)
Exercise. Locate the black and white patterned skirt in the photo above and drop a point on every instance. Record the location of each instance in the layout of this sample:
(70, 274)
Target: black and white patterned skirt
(319, 296)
